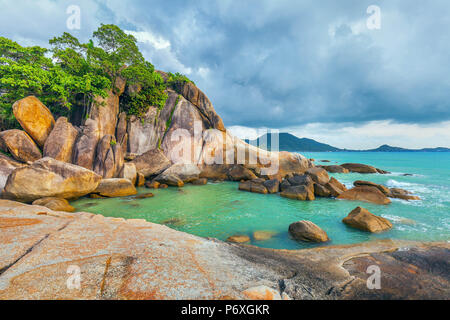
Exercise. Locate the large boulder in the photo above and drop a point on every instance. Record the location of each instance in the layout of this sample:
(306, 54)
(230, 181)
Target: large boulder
(401, 194)
(19, 144)
(151, 163)
(335, 169)
(359, 168)
(85, 147)
(109, 158)
(307, 231)
(321, 191)
(318, 175)
(362, 219)
(335, 187)
(48, 177)
(117, 187)
(255, 186)
(272, 186)
(179, 172)
(365, 193)
(56, 204)
(7, 166)
(129, 172)
(238, 172)
(59, 144)
(35, 118)
(380, 187)
(300, 192)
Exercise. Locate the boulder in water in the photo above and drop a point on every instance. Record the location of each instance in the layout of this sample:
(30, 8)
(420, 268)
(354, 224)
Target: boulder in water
(362, 219)
(307, 231)
(365, 193)
(116, 187)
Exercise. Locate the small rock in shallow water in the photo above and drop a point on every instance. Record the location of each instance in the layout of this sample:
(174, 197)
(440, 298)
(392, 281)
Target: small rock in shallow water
(263, 235)
(144, 196)
(238, 239)
(152, 184)
(174, 222)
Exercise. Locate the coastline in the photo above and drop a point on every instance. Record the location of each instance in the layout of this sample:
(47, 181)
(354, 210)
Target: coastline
(136, 259)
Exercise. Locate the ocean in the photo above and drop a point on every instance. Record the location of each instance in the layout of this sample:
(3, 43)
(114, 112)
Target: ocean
(220, 210)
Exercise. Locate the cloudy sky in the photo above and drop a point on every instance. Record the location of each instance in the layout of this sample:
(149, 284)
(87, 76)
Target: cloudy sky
(312, 68)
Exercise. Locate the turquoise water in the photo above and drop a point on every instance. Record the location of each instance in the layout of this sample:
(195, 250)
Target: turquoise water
(220, 210)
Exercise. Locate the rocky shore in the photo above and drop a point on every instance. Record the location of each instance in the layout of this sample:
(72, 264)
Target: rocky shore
(135, 259)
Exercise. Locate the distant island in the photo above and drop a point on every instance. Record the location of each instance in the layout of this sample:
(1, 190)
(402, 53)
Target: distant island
(289, 142)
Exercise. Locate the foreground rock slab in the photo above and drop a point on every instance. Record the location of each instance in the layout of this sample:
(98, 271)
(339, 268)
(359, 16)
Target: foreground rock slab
(135, 259)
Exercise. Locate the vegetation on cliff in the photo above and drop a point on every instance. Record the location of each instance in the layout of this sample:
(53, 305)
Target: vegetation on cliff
(68, 76)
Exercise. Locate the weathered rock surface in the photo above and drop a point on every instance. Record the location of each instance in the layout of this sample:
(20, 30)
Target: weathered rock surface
(272, 186)
(401, 194)
(7, 166)
(48, 177)
(60, 142)
(201, 101)
(321, 191)
(359, 168)
(19, 144)
(335, 187)
(255, 186)
(300, 192)
(109, 159)
(129, 172)
(86, 145)
(35, 118)
(179, 172)
(56, 204)
(318, 175)
(116, 187)
(365, 193)
(105, 111)
(117, 259)
(307, 231)
(261, 293)
(151, 163)
(380, 187)
(335, 169)
(362, 219)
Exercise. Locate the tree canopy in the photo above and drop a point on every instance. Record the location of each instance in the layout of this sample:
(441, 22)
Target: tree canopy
(71, 73)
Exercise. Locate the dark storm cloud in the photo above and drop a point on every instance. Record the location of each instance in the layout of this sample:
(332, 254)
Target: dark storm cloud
(284, 63)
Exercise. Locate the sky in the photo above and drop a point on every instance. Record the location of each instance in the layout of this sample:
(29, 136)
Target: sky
(316, 69)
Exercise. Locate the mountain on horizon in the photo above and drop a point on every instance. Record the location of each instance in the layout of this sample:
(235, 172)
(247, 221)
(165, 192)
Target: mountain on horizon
(289, 142)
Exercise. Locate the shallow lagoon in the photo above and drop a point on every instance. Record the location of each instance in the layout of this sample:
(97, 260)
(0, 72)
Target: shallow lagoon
(220, 210)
